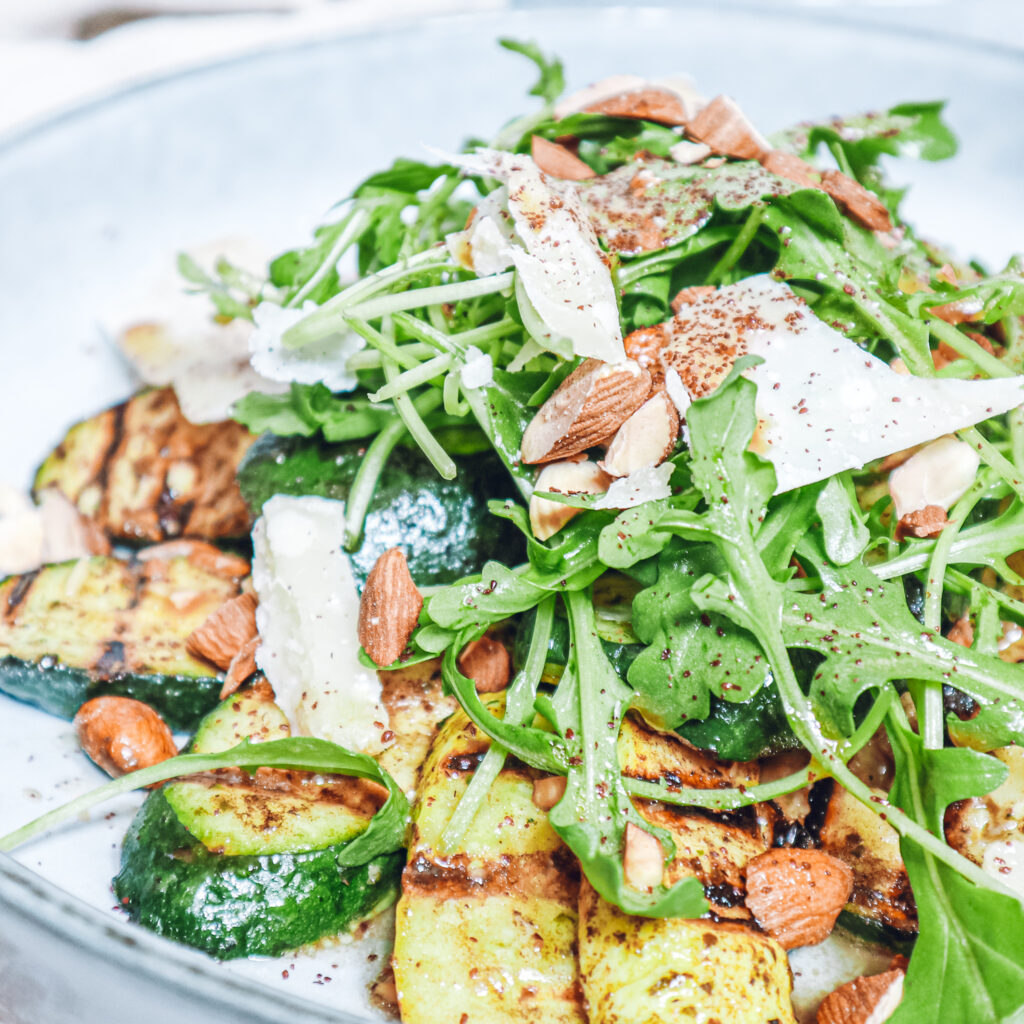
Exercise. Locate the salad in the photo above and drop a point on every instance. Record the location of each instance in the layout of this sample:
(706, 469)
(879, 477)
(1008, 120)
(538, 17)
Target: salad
(603, 544)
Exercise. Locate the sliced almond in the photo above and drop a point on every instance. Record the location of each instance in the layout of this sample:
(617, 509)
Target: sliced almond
(643, 860)
(487, 662)
(548, 791)
(389, 608)
(791, 167)
(796, 895)
(645, 439)
(959, 313)
(865, 1000)
(558, 161)
(225, 632)
(588, 406)
(243, 664)
(547, 517)
(688, 153)
(650, 103)
(688, 296)
(864, 207)
(923, 522)
(727, 130)
(938, 474)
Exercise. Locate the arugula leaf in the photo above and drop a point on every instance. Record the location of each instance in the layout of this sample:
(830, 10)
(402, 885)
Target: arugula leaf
(386, 831)
(552, 77)
(311, 408)
(231, 290)
(966, 964)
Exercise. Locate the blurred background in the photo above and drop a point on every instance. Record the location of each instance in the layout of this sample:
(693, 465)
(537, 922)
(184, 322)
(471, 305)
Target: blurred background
(55, 53)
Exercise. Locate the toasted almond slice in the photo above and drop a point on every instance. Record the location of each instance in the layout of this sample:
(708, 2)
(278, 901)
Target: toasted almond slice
(937, 474)
(645, 439)
(727, 130)
(643, 861)
(547, 517)
(650, 103)
(487, 662)
(558, 161)
(791, 167)
(548, 791)
(389, 608)
(865, 1000)
(856, 200)
(959, 313)
(796, 895)
(225, 632)
(589, 405)
(243, 664)
(688, 296)
(688, 153)
(645, 344)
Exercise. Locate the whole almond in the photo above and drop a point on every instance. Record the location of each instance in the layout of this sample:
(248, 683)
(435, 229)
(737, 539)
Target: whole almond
(120, 734)
(558, 161)
(869, 999)
(645, 439)
(389, 608)
(487, 663)
(727, 130)
(796, 895)
(225, 632)
(648, 104)
(850, 195)
(588, 406)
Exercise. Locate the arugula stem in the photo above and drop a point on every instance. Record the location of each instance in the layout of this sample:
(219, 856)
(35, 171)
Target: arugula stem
(413, 378)
(839, 155)
(518, 710)
(370, 469)
(429, 445)
(434, 295)
(968, 348)
(1013, 328)
(738, 246)
(355, 225)
(990, 454)
(369, 358)
(401, 355)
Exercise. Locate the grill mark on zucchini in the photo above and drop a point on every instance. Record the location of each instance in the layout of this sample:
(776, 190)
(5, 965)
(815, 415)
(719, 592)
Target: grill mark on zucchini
(19, 592)
(102, 476)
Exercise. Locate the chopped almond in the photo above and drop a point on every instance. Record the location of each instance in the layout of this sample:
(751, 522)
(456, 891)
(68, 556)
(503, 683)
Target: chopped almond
(727, 130)
(645, 439)
(487, 663)
(962, 632)
(852, 197)
(589, 405)
(558, 161)
(796, 895)
(923, 522)
(548, 791)
(243, 664)
(865, 1000)
(225, 632)
(644, 345)
(689, 153)
(791, 167)
(958, 313)
(567, 476)
(648, 104)
(688, 296)
(389, 608)
(643, 861)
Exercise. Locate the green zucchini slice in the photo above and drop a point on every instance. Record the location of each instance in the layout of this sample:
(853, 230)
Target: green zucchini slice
(238, 865)
(104, 625)
(144, 474)
(443, 525)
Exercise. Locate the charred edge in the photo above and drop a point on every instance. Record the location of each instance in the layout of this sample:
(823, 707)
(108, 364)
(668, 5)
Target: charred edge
(172, 517)
(554, 875)
(19, 592)
(112, 661)
(806, 836)
(744, 818)
(725, 895)
(102, 478)
(467, 762)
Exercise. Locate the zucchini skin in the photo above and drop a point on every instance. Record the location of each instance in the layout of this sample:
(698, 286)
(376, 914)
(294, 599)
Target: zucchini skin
(443, 525)
(251, 904)
(61, 690)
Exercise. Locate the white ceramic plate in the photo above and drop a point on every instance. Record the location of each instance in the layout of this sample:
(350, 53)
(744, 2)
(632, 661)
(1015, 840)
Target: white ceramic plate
(94, 203)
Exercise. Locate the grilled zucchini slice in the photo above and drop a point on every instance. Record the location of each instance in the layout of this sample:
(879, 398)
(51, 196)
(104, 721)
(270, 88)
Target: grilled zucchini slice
(641, 970)
(144, 474)
(105, 625)
(443, 525)
(239, 865)
(485, 933)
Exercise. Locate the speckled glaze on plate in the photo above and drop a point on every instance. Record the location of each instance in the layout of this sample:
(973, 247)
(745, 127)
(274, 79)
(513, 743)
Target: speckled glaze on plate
(94, 203)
